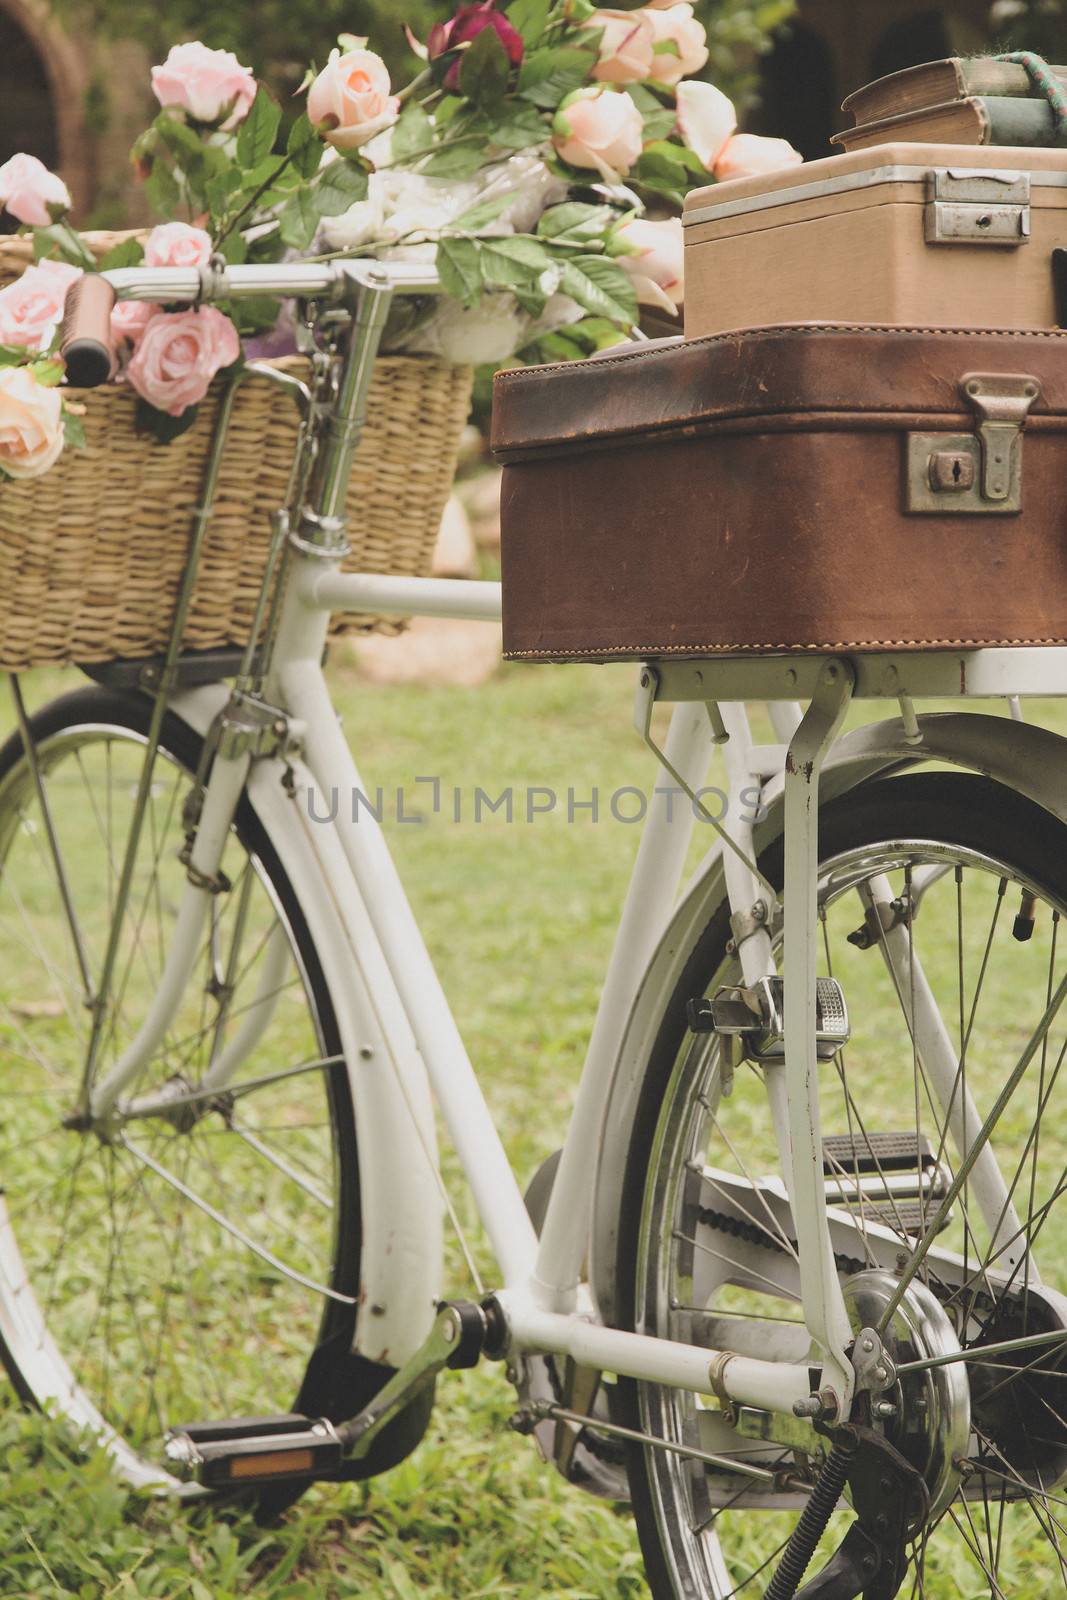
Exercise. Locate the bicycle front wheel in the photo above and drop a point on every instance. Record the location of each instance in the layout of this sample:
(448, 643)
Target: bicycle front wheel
(183, 1265)
(942, 898)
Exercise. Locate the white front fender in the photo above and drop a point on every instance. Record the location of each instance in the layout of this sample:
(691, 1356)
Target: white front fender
(401, 1264)
(1028, 759)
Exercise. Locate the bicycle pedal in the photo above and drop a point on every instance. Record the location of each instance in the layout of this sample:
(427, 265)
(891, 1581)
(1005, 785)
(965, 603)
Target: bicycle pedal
(757, 1016)
(255, 1449)
(890, 1178)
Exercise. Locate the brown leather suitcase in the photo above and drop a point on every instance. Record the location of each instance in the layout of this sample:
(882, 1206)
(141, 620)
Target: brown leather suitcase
(814, 487)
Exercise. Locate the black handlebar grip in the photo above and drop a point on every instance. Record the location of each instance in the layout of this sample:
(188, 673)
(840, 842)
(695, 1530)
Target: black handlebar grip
(85, 343)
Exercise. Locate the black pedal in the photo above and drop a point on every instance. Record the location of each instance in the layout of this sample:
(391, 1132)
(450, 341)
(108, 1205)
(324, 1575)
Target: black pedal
(244, 1450)
(891, 1178)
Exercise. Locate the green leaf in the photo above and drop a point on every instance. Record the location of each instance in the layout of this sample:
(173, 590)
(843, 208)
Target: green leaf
(12, 355)
(481, 214)
(601, 287)
(257, 314)
(162, 189)
(184, 145)
(160, 423)
(529, 18)
(658, 119)
(597, 333)
(73, 431)
(548, 75)
(304, 147)
(455, 161)
(484, 70)
(61, 243)
(219, 190)
(341, 185)
(413, 134)
(48, 372)
(531, 297)
(557, 346)
(258, 131)
(299, 220)
(520, 126)
(573, 220)
(234, 248)
(459, 268)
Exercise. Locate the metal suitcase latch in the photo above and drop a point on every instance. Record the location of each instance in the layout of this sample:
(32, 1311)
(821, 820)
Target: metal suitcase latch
(966, 206)
(981, 472)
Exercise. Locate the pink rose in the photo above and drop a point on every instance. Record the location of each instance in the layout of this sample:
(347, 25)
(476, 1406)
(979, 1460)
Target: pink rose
(31, 308)
(468, 22)
(350, 100)
(681, 41)
(626, 45)
(748, 155)
(31, 424)
(176, 244)
(652, 254)
(130, 318)
(205, 84)
(28, 190)
(599, 128)
(178, 355)
(706, 119)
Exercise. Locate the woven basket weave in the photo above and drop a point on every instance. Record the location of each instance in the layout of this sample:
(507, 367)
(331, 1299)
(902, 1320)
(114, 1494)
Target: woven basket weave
(92, 552)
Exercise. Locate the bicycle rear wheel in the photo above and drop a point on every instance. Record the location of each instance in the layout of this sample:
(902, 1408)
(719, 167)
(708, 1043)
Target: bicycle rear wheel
(183, 1265)
(708, 1245)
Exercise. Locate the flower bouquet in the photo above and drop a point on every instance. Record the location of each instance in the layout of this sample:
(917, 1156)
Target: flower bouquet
(520, 158)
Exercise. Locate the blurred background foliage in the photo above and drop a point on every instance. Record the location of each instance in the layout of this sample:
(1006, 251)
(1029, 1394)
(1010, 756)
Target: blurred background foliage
(278, 37)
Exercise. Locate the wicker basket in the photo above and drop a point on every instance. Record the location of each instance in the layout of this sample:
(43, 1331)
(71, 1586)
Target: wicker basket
(16, 250)
(92, 553)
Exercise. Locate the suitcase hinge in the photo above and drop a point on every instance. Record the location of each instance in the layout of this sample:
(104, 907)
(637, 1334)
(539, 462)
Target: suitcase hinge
(978, 207)
(980, 472)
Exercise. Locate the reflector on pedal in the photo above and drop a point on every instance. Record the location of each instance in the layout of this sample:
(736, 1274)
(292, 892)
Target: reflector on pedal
(757, 1015)
(255, 1449)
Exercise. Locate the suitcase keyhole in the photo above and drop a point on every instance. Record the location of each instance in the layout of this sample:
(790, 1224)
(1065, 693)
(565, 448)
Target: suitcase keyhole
(957, 470)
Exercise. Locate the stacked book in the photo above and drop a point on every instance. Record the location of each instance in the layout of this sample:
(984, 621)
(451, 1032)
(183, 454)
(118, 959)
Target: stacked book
(979, 101)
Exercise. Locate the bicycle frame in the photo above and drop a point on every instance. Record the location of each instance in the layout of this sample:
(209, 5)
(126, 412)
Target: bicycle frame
(397, 1012)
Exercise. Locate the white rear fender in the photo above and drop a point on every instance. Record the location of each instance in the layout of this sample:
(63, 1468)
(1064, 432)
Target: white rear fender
(1023, 757)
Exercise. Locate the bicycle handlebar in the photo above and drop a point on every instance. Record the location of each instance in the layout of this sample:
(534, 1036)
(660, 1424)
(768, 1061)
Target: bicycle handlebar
(88, 347)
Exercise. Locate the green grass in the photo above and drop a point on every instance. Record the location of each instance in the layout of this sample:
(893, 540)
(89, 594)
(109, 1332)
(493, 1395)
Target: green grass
(519, 917)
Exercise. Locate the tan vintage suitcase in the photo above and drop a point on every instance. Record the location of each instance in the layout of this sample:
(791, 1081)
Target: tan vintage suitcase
(934, 235)
(811, 488)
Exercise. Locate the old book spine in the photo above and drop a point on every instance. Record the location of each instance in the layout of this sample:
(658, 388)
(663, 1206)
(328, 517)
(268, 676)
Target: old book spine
(933, 83)
(990, 119)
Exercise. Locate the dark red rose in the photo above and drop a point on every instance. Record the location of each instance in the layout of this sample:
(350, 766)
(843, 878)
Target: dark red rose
(467, 24)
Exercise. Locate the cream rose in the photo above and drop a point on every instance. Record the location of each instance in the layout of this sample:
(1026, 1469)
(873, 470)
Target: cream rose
(351, 100)
(747, 155)
(706, 119)
(31, 424)
(178, 355)
(652, 254)
(28, 190)
(626, 45)
(176, 244)
(599, 128)
(205, 84)
(676, 26)
(31, 308)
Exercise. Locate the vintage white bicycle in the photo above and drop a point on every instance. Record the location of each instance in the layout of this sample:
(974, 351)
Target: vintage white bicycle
(791, 1249)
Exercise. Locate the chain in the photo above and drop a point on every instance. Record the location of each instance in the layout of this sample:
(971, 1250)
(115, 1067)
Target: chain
(763, 1238)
